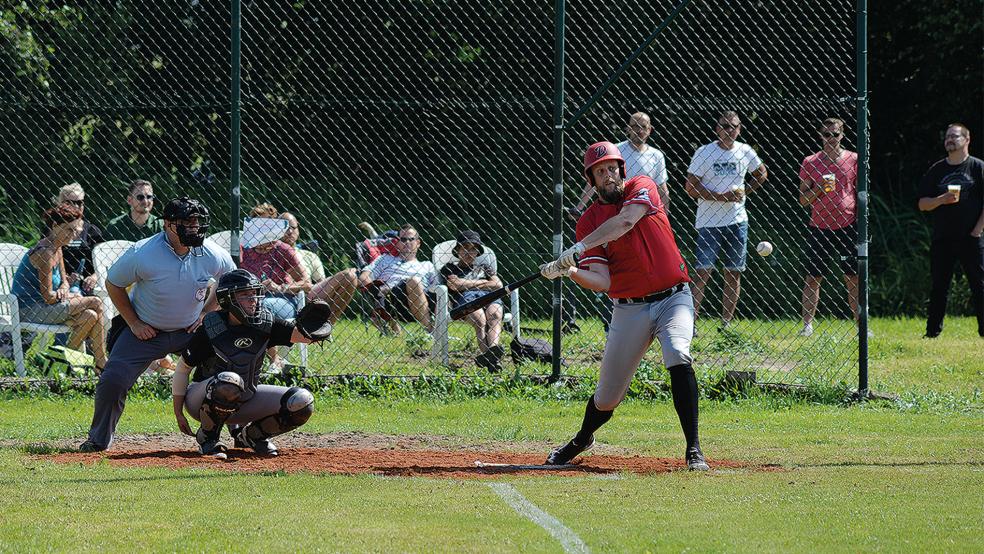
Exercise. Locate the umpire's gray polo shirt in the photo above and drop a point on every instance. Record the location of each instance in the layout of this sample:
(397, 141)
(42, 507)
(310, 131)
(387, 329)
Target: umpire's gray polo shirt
(168, 290)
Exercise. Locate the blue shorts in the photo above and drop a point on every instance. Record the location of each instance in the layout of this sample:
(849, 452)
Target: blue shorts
(730, 242)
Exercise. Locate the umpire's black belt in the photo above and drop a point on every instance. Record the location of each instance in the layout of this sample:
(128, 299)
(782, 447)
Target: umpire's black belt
(654, 297)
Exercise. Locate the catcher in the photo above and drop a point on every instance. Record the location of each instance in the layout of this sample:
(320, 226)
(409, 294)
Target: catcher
(226, 353)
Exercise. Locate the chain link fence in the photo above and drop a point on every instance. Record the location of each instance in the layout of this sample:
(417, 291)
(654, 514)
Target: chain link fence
(437, 115)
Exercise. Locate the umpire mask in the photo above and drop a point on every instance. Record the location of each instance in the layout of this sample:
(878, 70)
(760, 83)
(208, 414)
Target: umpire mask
(185, 209)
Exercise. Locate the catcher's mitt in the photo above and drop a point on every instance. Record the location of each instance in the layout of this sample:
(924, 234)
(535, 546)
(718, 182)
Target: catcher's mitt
(313, 320)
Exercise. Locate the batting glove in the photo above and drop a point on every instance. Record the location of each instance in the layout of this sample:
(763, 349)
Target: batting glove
(552, 270)
(568, 258)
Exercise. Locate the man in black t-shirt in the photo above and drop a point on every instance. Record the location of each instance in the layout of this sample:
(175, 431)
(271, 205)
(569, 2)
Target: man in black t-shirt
(226, 353)
(953, 190)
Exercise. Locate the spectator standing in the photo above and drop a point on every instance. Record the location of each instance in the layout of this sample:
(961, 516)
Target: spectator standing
(953, 190)
(716, 179)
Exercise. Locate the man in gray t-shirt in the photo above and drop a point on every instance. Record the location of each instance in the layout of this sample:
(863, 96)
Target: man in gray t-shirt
(170, 274)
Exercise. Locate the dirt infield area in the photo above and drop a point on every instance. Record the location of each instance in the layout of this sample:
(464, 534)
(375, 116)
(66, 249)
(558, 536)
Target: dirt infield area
(355, 453)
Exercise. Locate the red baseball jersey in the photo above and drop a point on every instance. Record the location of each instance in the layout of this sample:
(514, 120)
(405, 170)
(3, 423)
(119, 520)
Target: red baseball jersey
(644, 260)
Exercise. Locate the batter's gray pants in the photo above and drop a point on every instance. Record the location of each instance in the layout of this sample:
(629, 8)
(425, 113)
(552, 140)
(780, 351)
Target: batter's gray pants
(129, 358)
(265, 402)
(634, 326)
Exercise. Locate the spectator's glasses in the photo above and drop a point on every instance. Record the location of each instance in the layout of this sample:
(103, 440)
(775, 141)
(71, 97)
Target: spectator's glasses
(408, 239)
(829, 134)
(76, 203)
(142, 197)
(639, 127)
(293, 227)
(728, 126)
(953, 137)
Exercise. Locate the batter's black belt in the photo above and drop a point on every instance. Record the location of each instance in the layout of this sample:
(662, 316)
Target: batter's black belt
(654, 297)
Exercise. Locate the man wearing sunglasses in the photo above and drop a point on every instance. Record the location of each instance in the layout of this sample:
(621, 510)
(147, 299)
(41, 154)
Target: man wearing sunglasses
(828, 186)
(716, 179)
(138, 223)
(401, 282)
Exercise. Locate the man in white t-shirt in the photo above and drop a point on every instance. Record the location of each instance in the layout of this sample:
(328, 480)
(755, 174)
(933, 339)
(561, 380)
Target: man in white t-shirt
(716, 179)
(640, 159)
(402, 281)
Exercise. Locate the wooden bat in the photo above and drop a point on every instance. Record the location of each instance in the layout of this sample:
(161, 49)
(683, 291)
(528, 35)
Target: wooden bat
(479, 303)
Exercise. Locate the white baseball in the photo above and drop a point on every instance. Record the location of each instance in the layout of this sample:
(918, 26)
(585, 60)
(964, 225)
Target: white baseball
(764, 248)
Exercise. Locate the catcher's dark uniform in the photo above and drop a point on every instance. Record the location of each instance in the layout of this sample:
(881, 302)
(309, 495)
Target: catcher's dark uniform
(227, 361)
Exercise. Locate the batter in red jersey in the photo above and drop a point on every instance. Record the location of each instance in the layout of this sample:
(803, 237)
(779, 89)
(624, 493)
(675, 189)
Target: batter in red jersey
(626, 247)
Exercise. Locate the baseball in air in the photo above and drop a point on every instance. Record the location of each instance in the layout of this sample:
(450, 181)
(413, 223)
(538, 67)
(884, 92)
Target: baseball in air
(764, 248)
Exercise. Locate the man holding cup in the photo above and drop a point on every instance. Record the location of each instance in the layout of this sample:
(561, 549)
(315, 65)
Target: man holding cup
(828, 186)
(953, 189)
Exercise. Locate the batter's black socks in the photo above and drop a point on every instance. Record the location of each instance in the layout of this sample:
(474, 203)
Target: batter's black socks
(593, 419)
(683, 384)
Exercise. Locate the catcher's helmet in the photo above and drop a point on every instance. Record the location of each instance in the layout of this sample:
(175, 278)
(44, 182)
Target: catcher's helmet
(600, 152)
(236, 281)
(187, 208)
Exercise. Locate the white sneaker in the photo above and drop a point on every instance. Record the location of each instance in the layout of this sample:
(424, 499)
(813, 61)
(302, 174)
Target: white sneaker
(807, 330)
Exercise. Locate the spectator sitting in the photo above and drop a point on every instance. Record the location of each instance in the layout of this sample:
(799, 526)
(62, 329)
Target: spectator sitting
(43, 292)
(471, 277)
(312, 263)
(400, 282)
(277, 265)
(78, 253)
(138, 223)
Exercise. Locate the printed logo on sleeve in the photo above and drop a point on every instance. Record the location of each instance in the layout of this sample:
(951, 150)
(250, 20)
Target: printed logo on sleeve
(200, 294)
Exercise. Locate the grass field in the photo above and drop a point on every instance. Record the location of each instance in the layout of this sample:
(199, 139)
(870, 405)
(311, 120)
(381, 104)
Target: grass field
(877, 476)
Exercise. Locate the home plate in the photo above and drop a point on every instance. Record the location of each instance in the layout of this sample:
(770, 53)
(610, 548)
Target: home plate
(479, 463)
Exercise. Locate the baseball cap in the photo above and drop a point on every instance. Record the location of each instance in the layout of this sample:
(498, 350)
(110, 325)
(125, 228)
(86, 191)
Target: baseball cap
(468, 237)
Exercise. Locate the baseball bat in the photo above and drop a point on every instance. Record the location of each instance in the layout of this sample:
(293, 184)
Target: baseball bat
(479, 303)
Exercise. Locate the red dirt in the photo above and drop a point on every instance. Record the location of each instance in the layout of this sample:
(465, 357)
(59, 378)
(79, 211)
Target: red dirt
(455, 463)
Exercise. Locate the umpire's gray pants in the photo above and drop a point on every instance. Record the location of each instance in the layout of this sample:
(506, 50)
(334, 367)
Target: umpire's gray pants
(129, 358)
(633, 328)
(264, 402)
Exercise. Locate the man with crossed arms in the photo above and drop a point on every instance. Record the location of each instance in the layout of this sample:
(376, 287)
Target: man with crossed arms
(626, 247)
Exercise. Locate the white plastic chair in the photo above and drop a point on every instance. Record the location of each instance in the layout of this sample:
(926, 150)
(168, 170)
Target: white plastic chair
(104, 255)
(223, 239)
(10, 258)
(441, 256)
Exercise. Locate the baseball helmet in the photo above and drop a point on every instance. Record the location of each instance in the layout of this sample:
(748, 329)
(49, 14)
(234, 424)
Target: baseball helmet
(600, 152)
(234, 282)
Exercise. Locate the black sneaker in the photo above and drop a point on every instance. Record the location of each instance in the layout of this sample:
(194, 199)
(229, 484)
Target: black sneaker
(262, 447)
(562, 455)
(89, 446)
(212, 448)
(695, 460)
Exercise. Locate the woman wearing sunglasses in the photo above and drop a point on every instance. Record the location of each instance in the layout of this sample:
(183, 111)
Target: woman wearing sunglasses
(78, 252)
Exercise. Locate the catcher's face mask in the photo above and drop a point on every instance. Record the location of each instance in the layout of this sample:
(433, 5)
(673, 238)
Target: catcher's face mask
(247, 305)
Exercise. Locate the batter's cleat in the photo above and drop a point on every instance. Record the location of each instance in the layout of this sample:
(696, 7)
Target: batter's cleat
(695, 460)
(89, 446)
(562, 455)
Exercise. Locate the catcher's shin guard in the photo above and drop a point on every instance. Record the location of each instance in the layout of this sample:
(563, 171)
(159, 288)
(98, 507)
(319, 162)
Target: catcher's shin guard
(223, 396)
(296, 407)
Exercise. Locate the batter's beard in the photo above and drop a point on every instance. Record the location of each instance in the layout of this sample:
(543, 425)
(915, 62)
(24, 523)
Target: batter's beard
(613, 195)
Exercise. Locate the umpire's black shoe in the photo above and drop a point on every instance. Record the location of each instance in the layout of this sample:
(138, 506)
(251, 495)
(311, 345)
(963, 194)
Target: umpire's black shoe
(695, 460)
(89, 446)
(562, 455)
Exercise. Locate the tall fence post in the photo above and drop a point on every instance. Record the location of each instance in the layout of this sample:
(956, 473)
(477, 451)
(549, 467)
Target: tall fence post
(558, 178)
(234, 122)
(862, 115)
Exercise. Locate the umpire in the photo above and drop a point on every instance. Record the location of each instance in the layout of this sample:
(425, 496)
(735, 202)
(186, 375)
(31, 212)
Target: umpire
(227, 352)
(170, 273)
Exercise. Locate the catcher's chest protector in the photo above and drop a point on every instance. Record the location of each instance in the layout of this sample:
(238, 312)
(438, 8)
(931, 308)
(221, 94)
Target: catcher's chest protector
(239, 348)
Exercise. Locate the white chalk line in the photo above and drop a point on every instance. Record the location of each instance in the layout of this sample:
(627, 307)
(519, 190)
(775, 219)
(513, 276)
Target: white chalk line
(568, 539)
